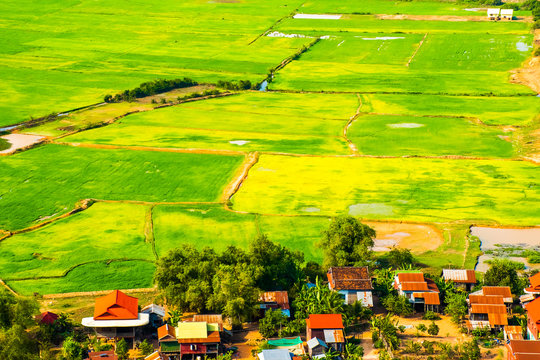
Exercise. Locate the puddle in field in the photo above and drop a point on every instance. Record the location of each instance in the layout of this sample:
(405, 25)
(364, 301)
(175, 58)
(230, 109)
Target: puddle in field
(239, 142)
(383, 38)
(405, 125)
(310, 209)
(496, 238)
(521, 46)
(263, 86)
(317, 16)
(370, 209)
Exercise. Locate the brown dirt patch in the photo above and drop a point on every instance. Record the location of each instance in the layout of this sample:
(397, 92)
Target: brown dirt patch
(246, 341)
(529, 74)
(419, 238)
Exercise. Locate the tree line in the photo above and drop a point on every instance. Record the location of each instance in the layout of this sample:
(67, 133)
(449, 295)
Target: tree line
(150, 88)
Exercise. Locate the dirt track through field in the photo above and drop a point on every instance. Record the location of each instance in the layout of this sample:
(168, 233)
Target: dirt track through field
(242, 173)
(417, 49)
(352, 146)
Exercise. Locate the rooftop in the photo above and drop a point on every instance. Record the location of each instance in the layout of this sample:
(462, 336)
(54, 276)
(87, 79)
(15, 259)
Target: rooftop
(325, 321)
(524, 349)
(349, 278)
(275, 354)
(533, 311)
(279, 297)
(116, 306)
(459, 276)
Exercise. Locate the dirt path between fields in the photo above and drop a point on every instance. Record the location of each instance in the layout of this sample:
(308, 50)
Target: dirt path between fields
(417, 49)
(241, 174)
(352, 146)
(97, 293)
(447, 18)
(6, 286)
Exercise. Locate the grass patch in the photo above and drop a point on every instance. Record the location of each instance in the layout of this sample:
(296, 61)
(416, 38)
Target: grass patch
(50, 179)
(425, 136)
(92, 277)
(102, 232)
(407, 189)
(4, 144)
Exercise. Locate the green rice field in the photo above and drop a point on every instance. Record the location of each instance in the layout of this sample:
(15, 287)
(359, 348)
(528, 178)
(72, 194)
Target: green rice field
(398, 112)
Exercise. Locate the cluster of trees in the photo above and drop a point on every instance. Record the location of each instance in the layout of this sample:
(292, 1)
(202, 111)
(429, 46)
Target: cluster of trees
(193, 95)
(150, 88)
(240, 85)
(230, 282)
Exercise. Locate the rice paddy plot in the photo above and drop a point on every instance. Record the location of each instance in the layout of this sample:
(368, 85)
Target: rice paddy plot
(49, 180)
(394, 188)
(427, 136)
(129, 274)
(101, 232)
(492, 110)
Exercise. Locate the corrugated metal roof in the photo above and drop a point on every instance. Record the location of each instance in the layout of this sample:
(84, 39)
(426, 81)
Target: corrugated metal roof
(410, 277)
(325, 321)
(484, 299)
(414, 286)
(210, 319)
(213, 337)
(275, 354)
(518, 347)
(533, 311)
(166, 331)
(334, 336)
(279, 297)
(192, 330)
(497, 290)
(432, 298)
(488, 309)
(459, 276)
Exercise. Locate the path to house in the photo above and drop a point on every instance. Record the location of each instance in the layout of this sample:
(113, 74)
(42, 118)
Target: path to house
(246, 341)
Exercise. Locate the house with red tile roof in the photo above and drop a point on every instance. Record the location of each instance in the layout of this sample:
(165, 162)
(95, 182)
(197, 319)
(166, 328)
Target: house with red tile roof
(420, 291)
(486, 311)
(328, 328)
(531, 292)
(352, 283)
(116, 316)
(533, 319)
(464, 279)
(47, 318)
(503, 291)
(190, 340)
(523, 350)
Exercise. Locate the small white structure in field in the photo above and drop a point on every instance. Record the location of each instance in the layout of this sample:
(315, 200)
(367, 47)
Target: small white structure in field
(493, 14)
(507, 14)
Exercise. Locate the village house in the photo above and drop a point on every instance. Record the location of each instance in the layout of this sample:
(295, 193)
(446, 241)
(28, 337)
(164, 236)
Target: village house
(326, 327)
(275, 300)
(531, 292)
(533, 319)
(352, 283)
(190, 340)
(47, 317)
(513, 333)
(275, 354)
(523, 350)
(486, 311)
(462, 279)
(420, 291)
(503, 291)
(494, 14)
(507, 14)
(116, 316)
(317, 348)
(156, 313)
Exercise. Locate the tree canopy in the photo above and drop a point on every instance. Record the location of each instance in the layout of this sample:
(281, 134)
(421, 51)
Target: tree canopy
(502, 273)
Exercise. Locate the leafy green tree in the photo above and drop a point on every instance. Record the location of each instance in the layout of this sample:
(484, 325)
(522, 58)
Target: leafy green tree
(73, 349)
(318, 299)
(146, 348)
(16, 311)
(399, 305)
(384, 332)
(185, 277)
(312, 270)
(234, 292)
(433, 329)
(281, 267)
(421, 327)
(456, 306)
(356, 312)
(174, 317)
(347, 242)
(397, 258)
(502, 273)
(271, 323)
(16, 344)
(384, 281)
(353, 352)
(122, 349)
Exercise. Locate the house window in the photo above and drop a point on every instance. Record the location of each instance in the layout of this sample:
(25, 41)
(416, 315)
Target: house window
(193, 347)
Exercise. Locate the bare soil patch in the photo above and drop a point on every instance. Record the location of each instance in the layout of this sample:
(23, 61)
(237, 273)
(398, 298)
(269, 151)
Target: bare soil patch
(419, 238)
(529, 74)
(20, 141)
(445, 18)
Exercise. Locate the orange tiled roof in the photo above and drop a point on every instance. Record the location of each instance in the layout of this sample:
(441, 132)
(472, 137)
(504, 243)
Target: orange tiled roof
(116, 306)
(349, 278)
(279, 297)
(166, 331)
(497, 290)
(535, 283)
(484, 299)
(497, 319)
(533, 311)
(325, 321)
(213, 337)
(488, 309)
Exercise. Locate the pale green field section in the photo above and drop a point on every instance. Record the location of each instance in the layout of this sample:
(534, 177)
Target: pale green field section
(255, 121)
(393, 7)
(130, 274)
(427, 136)
(49, 180)
(102, 232)
(59, 55)
(430, 190)
(471, 61)
(491, 110)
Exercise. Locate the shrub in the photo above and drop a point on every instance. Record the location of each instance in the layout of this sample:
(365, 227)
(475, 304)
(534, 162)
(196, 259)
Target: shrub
(433, 329)
(431, 315)
(421, 327)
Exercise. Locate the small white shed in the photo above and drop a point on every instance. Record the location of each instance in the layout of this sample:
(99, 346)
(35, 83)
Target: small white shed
(507, 14)
(493, 14)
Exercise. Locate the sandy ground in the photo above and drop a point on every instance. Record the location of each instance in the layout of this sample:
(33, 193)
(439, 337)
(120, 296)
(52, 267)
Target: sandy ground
(418, 238)
(19, 141)
(522, 238)
(246, 341)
